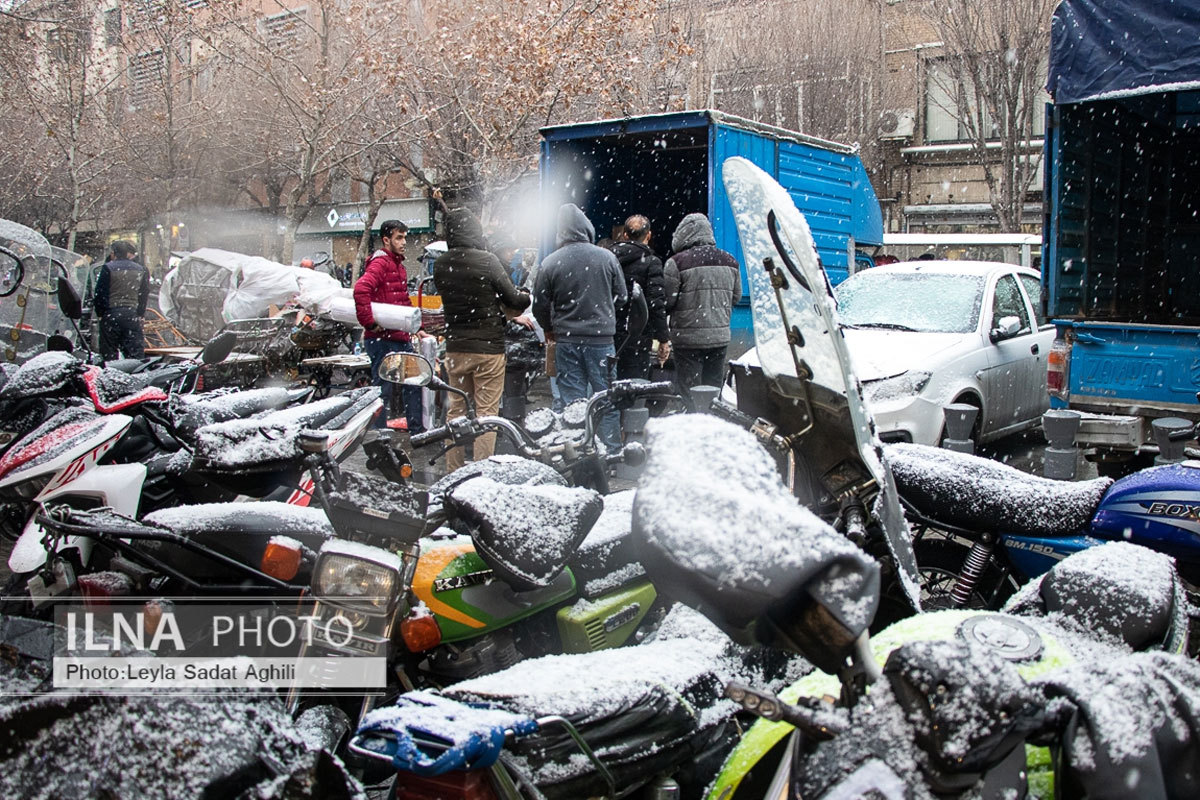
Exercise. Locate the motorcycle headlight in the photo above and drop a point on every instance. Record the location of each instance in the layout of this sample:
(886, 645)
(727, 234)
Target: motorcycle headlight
(897, 388)
(357, 583)
(29, 489)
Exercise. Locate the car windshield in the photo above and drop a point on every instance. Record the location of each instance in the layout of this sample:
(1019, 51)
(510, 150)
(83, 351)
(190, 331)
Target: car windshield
(908, 301)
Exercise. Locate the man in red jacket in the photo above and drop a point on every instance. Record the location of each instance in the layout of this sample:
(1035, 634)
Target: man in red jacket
(384, 280)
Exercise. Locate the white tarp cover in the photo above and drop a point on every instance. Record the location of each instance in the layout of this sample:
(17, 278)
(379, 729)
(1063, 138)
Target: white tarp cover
(211, 287)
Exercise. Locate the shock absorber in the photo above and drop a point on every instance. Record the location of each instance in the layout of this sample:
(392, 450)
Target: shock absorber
(972, 571)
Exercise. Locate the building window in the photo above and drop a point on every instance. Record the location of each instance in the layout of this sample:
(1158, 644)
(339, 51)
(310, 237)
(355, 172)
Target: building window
(283, 29)
(942, 120)
(112, 27)
(146, 72)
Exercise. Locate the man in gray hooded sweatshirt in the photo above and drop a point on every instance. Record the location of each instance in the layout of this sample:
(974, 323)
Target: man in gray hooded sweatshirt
(575, 296)
(702, 283)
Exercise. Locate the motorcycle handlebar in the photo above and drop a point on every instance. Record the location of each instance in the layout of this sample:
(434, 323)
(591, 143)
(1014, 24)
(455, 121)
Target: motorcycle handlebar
(430, 436)
(731, 413)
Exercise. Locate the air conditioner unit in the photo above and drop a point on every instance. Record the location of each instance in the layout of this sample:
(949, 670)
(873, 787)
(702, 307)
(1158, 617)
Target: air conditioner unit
(897, 124)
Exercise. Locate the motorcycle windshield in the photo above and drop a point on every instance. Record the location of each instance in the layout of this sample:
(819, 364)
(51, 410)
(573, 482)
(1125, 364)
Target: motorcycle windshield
(770, 226)
(28, 308)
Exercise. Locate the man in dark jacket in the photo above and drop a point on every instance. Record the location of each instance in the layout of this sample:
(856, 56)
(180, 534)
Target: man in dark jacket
(476, 293)
(578, 289)
(702, 283)
(641, 267)
(384, 280)
(122, 289)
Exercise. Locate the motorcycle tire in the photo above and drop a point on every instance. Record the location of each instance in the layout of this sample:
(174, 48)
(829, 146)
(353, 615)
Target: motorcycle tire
(939, 562)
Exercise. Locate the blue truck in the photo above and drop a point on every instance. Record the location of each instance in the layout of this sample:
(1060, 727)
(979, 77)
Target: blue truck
(668, 165)
(1121, 268)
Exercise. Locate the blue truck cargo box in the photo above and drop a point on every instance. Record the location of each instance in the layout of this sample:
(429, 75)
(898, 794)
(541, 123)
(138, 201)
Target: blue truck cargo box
(668, 165)
(1121, 272)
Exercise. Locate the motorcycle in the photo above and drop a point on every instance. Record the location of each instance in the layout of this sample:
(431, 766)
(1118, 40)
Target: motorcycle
(253, 457)
(547, 567)
(938, 704)
(984, 528)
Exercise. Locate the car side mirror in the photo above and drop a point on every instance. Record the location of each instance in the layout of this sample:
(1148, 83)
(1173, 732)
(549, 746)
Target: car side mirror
(1006, 328)
(68, 299)
(409, 369)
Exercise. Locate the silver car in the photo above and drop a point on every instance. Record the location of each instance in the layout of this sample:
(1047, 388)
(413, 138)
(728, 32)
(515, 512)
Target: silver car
(923, 334)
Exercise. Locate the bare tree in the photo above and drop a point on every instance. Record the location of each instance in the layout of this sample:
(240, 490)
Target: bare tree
(799, 64)
(166, 116)
(312, 80)
(990, 80)
(495, 72)
(55, 80)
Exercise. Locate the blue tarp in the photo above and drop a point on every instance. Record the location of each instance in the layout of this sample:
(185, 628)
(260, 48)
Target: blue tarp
(1114, 48)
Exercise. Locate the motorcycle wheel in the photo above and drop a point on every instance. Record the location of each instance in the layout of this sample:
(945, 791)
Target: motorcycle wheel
(939, 562)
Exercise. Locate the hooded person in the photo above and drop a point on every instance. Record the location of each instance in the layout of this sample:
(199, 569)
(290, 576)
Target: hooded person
(702, 283)
(642, 267)
(477, 295)
(575, 299)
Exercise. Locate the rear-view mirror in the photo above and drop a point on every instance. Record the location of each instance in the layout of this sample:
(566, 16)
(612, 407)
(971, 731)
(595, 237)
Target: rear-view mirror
(407, 368)
(219, 347)
(68, 299)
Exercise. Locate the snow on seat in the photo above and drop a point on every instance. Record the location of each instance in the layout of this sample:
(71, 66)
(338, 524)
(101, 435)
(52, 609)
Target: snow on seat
(977, 493)
(525, 533)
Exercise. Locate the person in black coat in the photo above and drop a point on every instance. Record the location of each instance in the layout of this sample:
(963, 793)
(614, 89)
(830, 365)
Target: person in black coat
(641, 266)
(122, 291)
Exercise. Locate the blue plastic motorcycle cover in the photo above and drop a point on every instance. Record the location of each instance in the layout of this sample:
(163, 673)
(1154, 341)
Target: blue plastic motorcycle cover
(1112, 48)
(426, 734)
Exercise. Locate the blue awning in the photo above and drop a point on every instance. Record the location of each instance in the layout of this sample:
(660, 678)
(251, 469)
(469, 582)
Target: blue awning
(1104, 49)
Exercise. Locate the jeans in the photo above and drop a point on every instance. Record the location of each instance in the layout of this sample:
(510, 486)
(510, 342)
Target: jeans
(121, 330)
(377, 349)
(583, 371)
(699, 367)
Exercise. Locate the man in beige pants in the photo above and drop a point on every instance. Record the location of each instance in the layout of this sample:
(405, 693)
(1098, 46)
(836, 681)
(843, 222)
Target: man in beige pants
(476, 294)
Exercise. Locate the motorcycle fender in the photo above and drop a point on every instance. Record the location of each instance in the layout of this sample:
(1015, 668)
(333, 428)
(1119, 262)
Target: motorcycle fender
(116, 485)
(343, 440)
(76, 460)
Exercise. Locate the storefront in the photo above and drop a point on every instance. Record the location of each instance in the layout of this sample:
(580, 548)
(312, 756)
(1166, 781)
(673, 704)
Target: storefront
(335, 230)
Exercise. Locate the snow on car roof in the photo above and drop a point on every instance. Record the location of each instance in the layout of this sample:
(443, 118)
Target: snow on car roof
(949, 267)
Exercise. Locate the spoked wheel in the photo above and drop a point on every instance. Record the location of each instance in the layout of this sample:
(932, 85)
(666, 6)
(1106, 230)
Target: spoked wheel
(939, 562)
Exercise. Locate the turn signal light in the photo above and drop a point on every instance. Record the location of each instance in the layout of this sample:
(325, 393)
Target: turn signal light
(420, 633)
(1058, 363)
(406, 471)
(98, 587)
(281, 560)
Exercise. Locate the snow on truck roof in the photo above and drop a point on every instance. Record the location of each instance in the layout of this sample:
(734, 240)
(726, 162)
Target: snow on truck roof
(674, 120)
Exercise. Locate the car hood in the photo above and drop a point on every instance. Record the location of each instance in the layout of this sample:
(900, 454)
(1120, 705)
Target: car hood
(879, 353)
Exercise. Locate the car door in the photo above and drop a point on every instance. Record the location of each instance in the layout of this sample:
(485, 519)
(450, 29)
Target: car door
(1039, 400)
(1011, 361)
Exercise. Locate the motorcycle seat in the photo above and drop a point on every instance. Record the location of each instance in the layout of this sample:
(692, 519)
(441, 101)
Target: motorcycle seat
(268, 441)
(526, 534)
(208, 408)
(975, 493)
(1130, 593)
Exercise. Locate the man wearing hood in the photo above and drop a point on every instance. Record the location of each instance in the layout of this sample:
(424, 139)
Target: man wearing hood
(578, 290)
(702, 283)
(641, 266)
(476, 293)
